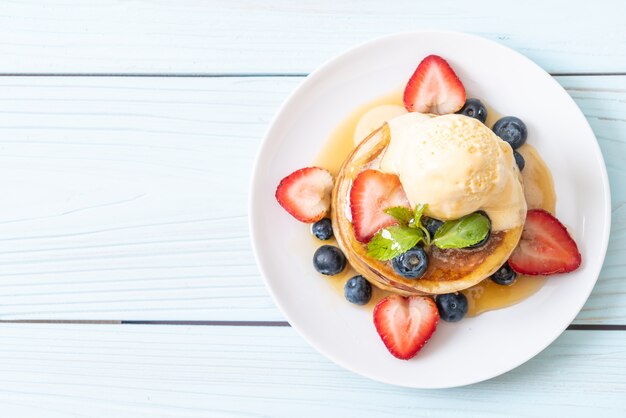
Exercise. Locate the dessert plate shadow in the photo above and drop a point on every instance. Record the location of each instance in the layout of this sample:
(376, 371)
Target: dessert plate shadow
(474, 349)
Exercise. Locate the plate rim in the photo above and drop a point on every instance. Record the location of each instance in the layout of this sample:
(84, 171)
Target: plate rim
(319, 72)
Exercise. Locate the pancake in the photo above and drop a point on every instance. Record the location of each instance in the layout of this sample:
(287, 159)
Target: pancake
(449, 270)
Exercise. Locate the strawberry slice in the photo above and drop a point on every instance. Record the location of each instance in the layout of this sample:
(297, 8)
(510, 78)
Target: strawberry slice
(305, 193)
(372, 192)
(405, 324)
(434, 88)
(545, 247)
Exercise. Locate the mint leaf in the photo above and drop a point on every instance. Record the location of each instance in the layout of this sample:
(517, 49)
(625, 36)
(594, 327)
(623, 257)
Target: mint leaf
(392, 241)
(419, 210)
(463, 232)
(426, 235)
(400, 213)
(417, 216)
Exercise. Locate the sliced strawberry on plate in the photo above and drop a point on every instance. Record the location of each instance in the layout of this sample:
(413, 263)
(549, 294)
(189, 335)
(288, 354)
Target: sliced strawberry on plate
(305, 193)
(372, 192)
(405, 324)
(434, 88)
(545, 247)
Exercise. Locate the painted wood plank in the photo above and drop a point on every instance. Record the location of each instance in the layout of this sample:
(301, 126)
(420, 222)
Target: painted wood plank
(128, 196)
(141, 371)
(215, 36)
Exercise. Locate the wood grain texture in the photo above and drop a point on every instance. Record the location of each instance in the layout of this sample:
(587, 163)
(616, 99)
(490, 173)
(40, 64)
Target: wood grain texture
(134, 182)
(128, 196)
(147, 371)
(285, 36)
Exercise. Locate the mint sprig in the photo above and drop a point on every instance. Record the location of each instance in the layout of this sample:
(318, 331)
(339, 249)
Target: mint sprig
(394, 240)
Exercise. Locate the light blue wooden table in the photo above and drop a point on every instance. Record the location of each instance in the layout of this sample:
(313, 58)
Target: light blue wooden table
(128, 130)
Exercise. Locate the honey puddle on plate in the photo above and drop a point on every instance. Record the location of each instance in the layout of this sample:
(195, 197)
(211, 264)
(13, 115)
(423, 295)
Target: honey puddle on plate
(538, 189)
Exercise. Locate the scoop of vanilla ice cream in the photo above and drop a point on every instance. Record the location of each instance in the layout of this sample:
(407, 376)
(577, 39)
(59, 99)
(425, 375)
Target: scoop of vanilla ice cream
(457, 166)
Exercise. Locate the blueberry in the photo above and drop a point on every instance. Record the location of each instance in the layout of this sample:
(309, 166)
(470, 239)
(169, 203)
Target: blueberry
(358, 290)
(452, 306)
(484, 240)
(322, 229)
(431, 224)
(411, 264)
(519, 160)
(329, 260)
(505, 275)
(474, 108)
(511, 130)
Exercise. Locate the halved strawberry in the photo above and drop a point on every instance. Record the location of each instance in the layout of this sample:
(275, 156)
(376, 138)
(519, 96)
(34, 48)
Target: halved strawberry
(405, 324)
(545, 247)
(305, 193)
(372, 192)
(434, 88)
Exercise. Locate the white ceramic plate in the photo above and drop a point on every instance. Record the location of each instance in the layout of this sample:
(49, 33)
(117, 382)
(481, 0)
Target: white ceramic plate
(474, 349)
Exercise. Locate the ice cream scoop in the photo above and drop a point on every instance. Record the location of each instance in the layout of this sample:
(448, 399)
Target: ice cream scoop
(457, 166)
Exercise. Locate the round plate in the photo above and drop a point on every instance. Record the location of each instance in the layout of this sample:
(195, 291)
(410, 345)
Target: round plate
(474, 349)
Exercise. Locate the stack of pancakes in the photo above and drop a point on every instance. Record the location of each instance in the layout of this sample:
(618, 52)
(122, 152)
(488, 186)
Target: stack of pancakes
(449, 270)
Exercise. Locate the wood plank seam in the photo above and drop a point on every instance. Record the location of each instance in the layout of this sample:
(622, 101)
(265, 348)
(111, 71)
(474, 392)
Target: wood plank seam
(572, 327)
(250, 74)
